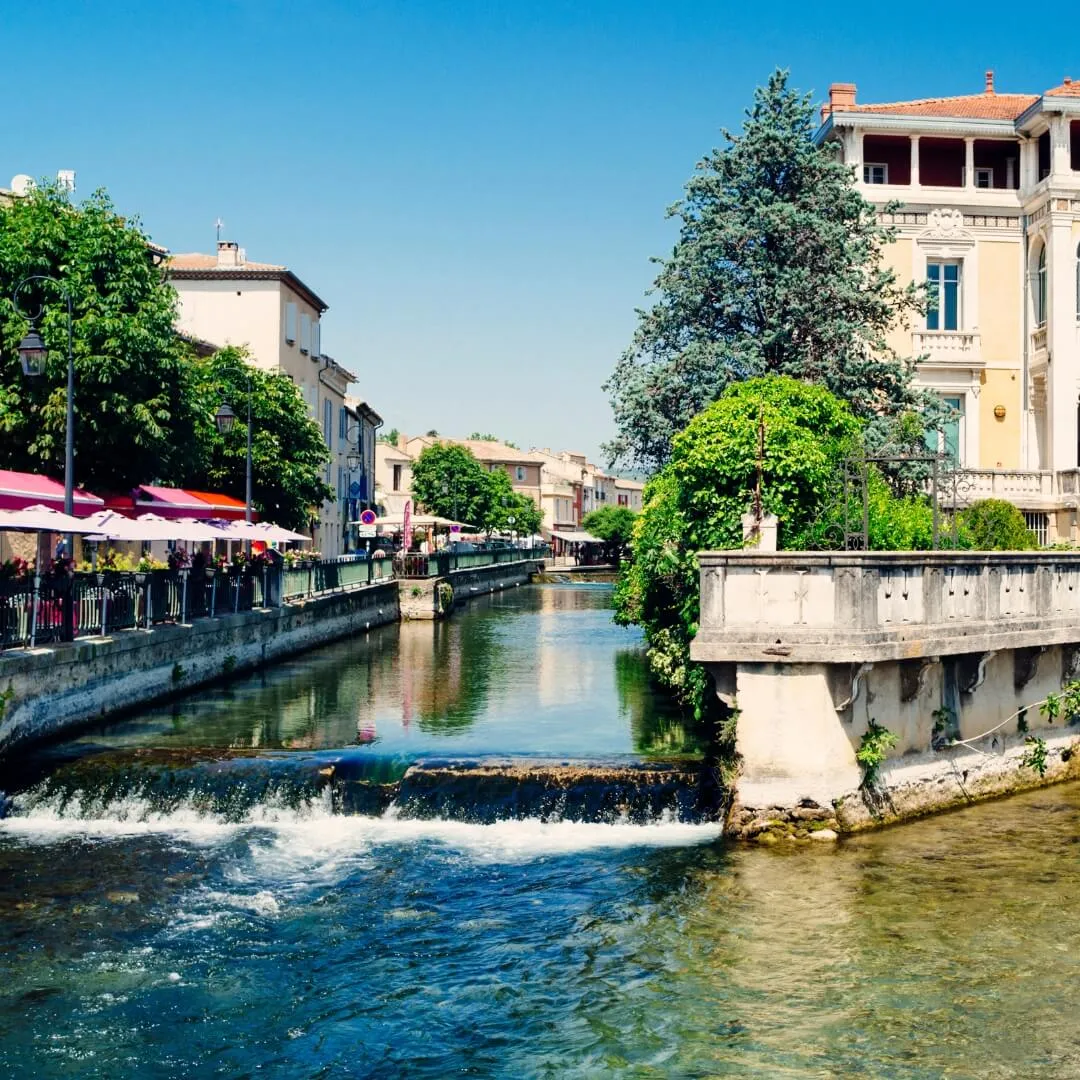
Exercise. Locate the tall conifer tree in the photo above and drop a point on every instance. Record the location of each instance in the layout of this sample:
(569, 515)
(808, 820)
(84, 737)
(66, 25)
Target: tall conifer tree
(778, 269)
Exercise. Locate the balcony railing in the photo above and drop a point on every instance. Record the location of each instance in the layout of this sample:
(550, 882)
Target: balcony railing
(1012, 485)
(948, 347)
(415, 565)
(1038, 338)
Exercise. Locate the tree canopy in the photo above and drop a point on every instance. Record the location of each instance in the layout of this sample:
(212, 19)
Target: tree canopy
(697, 501)
(288, 453)
(134, 419)
(778, 268)
(448, 480)
(614, 525)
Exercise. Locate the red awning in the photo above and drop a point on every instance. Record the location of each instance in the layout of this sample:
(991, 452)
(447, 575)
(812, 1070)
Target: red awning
(169, 502)
(19, 489)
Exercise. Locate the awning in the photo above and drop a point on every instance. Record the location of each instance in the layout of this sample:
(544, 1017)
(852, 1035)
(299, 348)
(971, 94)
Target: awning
(574, 536)
(19, 489)
(169, 502)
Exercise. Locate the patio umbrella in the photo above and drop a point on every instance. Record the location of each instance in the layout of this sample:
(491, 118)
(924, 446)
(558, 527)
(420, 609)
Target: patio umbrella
(279, 534)
(190, 530)
(109, 525)
(40, 518)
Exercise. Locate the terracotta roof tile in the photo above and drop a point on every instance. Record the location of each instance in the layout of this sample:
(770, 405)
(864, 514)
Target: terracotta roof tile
(967, 106)
(197, 261)
(1067, 89)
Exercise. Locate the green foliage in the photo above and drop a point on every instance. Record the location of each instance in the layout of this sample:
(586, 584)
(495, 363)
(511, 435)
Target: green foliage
(874, 748)
(134, 419)
(615, 524)
(228, 665)
(1035, 755)
(696, 503)
(480, 436)
(1065, 705)
(179, 673)
(995, 525)
(778, 268)
(390, 436)
(288, 453)
(447, 480)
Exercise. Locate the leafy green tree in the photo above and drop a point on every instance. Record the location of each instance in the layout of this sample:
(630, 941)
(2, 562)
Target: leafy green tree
(614, 525)
(133, 407)
(288, 454)
(697, 501)
(995, 525)
(778, 269)
(390, 436)
(447, 480)
(480, 436)
(505, 503)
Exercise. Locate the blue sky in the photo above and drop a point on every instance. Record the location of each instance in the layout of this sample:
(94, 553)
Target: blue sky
(475, 189)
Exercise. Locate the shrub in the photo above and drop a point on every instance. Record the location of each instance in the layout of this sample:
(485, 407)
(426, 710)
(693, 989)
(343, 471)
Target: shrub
(995, 525)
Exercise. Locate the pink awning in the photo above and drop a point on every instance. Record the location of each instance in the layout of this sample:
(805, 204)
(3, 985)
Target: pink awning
(19, 489)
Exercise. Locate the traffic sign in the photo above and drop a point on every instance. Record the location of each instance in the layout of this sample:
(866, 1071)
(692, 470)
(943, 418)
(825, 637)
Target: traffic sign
(365, 532)
(367, 517)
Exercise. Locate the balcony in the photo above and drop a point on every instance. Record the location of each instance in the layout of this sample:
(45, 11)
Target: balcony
(954, 348)
(1038, 339)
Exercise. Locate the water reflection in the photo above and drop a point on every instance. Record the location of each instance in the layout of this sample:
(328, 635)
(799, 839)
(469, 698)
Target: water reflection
(535, 670)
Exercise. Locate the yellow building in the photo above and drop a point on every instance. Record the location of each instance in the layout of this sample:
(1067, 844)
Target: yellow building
(989, 192)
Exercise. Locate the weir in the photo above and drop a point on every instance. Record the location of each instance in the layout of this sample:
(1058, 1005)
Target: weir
(249, 787)
(950, 652)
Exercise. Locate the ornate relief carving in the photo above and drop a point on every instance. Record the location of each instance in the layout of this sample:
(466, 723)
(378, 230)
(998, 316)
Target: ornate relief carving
(944, 223)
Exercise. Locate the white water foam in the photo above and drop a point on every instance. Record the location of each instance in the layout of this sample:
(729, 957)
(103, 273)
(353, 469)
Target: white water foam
(314, 835)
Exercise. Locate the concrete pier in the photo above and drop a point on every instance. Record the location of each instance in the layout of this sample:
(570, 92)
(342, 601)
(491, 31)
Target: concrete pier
(952, 652)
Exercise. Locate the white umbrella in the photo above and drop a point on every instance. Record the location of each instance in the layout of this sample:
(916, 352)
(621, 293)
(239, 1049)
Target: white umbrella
(418, 521)
(40, 518)
(190, 530)
(109, 525)
(279, 534)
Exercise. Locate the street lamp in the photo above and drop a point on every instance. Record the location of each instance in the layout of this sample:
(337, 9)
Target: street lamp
(34, 355)
(225, 419)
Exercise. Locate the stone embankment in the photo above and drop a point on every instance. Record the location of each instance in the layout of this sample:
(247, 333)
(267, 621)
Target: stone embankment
(939, 663)
(435, 597)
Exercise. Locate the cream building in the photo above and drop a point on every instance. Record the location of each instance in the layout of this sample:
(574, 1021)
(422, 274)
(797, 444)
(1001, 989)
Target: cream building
(989, 192)
(228, 300)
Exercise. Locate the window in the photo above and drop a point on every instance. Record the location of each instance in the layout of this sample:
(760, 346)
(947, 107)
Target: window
(316, 339)
(305, 332)
(875, 173)
(984, 178)
(519, 472)
(342, 426)
(1039, 524)
(943, 280)
(328, 421)
(290, 323)
(1040, 288)
(397, 477)
(949, 439)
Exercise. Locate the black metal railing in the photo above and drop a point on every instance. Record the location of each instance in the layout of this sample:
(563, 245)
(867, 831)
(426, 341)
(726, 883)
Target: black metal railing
(415, 565)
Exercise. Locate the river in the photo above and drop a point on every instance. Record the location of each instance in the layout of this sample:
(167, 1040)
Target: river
(149, 932)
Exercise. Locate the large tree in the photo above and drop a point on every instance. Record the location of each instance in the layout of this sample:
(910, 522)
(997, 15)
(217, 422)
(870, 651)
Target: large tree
(778, 269)
(133, 410)
(288, 452)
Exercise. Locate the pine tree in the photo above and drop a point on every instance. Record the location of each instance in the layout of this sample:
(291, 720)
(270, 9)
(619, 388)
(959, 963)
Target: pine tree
(778, 269)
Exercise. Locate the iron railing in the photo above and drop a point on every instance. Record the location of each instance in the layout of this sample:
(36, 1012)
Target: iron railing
(416, 565)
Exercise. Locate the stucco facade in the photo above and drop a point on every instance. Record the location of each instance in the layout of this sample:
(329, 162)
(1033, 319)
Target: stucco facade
(989, 192)
(227, 299)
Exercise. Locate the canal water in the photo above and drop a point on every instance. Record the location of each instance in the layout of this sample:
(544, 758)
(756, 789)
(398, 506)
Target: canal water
(152, 933)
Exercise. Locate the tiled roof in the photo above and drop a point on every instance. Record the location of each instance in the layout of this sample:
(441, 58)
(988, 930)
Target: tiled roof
(1067, 89)
(485, 450)
(195, 260)
(967, 106)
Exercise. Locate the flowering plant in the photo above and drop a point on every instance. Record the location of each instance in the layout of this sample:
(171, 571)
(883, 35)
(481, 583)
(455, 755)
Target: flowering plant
(179, 559)
(59, 567)
(13, 568)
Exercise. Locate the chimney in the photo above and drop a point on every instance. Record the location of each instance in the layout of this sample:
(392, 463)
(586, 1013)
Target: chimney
(229, 254)
(402, 441)
(841, 95)
(990, 82)
(1067, 81)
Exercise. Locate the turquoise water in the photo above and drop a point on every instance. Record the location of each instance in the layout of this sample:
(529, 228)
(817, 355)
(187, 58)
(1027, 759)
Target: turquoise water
(296, 942)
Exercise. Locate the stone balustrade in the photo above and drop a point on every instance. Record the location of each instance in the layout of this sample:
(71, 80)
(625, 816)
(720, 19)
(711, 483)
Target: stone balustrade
(874, 606)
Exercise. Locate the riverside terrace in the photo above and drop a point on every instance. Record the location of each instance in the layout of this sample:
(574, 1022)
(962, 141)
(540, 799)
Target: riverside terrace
(141, 637)
(940, 660)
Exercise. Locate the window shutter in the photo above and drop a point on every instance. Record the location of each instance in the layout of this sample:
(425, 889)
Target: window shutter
(290, 323)
(316, 339)
(305, 332)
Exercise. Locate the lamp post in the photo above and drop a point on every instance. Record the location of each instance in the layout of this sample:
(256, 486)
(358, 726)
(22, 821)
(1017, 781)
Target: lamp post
(34, 356)
(225, 419)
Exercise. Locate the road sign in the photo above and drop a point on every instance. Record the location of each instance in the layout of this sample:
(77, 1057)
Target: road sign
(455, 528)
(368, 518)
(365, 532)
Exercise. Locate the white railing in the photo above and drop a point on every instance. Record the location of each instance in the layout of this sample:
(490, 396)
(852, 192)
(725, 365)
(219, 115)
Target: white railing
(947, 346)
(1038, 339)
(1008, 484)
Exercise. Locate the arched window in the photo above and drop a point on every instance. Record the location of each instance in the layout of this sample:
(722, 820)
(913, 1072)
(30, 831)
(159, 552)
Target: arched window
(1040, 288)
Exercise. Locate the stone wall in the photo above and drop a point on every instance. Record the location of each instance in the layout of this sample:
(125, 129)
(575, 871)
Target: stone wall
(53, 689)
(433, 598)
(952, 653)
